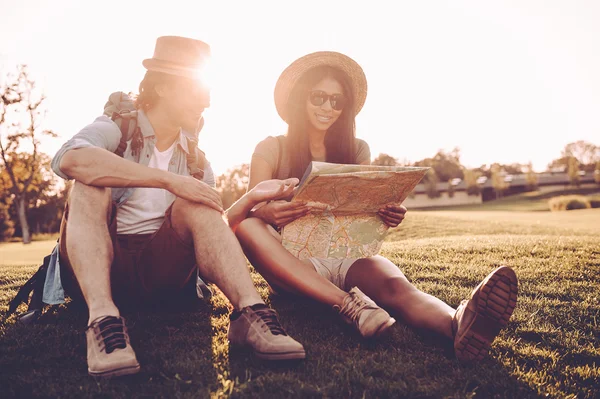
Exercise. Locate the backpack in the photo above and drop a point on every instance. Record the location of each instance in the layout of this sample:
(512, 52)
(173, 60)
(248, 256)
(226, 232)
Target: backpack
(121, 109)
(122, 112)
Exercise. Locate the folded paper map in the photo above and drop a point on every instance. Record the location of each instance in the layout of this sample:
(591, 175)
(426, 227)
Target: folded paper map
(344, 200)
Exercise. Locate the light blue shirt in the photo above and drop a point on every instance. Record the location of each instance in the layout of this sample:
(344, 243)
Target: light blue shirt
(104, 133)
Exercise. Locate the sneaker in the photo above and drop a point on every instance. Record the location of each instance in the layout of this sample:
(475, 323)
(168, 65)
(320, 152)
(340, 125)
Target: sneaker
(478, 320)
(109, 353)
(258, 327)
(359, 310)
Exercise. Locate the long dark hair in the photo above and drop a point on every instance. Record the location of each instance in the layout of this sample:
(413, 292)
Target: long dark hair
(340, 137)
(148, 97)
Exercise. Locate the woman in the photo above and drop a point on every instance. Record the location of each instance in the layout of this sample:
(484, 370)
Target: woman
(319, 96)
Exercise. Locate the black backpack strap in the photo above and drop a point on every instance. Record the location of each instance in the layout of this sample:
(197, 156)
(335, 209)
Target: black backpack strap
(35, 284)
(196, 160)
(279, 156)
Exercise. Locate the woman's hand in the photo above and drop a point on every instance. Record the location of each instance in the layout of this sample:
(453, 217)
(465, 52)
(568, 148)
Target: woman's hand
(271, 190)
(392, 214)
(279, 213)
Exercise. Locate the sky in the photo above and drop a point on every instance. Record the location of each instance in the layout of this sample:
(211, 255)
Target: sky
(504, 81)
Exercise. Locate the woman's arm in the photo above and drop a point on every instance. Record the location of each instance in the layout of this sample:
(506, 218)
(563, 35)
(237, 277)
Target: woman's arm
(277, 213)
(268, 190)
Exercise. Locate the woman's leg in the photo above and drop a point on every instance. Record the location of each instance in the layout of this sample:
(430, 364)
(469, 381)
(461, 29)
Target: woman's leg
(282, 269)
(383, 282)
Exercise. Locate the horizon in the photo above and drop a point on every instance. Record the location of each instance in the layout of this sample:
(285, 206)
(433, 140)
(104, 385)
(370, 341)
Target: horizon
(509, 83)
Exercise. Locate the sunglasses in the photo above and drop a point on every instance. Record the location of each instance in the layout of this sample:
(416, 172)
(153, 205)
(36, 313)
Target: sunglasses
(318, 98)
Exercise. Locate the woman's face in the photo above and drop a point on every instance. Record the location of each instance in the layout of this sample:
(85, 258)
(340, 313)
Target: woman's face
(324, 103)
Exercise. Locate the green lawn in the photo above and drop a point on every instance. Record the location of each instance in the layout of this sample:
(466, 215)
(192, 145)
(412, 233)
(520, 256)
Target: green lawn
(549, 349)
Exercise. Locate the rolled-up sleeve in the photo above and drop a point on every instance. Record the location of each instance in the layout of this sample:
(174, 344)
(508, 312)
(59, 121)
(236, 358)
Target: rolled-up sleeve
(103, 133)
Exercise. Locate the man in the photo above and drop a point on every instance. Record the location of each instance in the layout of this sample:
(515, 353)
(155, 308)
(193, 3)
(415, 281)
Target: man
(137, 228)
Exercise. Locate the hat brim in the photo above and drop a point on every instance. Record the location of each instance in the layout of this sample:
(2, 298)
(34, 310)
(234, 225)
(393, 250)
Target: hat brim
(170, 68)
(290, 76)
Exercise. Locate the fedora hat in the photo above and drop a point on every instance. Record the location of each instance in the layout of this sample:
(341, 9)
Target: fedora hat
(290, 76)
(175, 55)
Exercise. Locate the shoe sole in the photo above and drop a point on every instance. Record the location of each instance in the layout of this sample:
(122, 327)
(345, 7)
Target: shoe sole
(384, 328)
(116, 373)
(281, 356)
(496, 301)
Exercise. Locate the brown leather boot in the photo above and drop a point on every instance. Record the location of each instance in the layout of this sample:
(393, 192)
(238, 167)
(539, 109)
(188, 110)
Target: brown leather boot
(258, 327)
(478, 320)
(109, 353)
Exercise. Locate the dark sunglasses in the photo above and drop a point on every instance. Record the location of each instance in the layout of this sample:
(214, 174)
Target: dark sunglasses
(318, 98)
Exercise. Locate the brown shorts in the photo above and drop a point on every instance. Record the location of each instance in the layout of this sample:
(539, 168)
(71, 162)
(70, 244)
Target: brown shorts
(146, 267)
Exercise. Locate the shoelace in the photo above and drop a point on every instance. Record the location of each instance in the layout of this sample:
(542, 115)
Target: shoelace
(353, 308)
(112, 334)
(269, 317)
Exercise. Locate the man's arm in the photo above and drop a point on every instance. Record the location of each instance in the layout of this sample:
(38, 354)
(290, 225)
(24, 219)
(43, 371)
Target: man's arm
(96, 166)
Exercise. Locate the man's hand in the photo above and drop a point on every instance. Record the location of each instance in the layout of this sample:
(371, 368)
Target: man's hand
(392, 214)
(192, 189)
(280, 213)
(271, 190)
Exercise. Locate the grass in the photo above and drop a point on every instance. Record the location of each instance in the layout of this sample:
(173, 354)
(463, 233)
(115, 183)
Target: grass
(549, 349)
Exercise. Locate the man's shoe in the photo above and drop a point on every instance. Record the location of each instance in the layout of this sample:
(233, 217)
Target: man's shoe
(478, 321)
(109, 353)
(258, 327)
(359, 310)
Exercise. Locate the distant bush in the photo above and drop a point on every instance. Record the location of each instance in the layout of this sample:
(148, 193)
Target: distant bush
(569, 202)
(595, 202)
(577, 204)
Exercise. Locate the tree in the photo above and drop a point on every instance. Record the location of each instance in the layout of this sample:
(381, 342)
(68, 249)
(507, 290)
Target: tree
(559, 165)
(21, 114)
(385, 160)
(7, 227)
(573, 171)
(233, 184)
(470, 179)
(498, 180)
(586, 153)
(446, 164)
(430, 182)
(597, 173)
(531, 178)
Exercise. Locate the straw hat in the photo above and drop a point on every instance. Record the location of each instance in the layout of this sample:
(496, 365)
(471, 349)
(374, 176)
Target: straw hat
(179, 56)
(290, 76)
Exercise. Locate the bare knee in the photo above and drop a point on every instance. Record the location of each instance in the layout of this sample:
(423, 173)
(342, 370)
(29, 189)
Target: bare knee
(394, 288)
(89, 200)
(187, 216)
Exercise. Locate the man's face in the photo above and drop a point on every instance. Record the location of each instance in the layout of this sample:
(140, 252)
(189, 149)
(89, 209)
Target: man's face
(184, 100)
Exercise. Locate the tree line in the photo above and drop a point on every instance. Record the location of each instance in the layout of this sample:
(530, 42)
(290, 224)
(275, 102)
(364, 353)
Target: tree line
(32, 198)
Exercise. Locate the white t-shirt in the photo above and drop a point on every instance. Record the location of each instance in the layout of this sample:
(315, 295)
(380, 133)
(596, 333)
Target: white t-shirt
(144, 211)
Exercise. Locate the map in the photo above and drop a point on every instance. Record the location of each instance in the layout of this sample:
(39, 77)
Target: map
(344, 200)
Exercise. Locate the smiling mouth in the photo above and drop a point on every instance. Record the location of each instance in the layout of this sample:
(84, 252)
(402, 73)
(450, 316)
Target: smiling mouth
(323, 118)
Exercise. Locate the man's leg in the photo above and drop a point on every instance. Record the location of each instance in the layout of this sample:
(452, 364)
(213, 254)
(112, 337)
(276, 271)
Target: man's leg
(89, 247)
(221, 260)
(218, 252)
